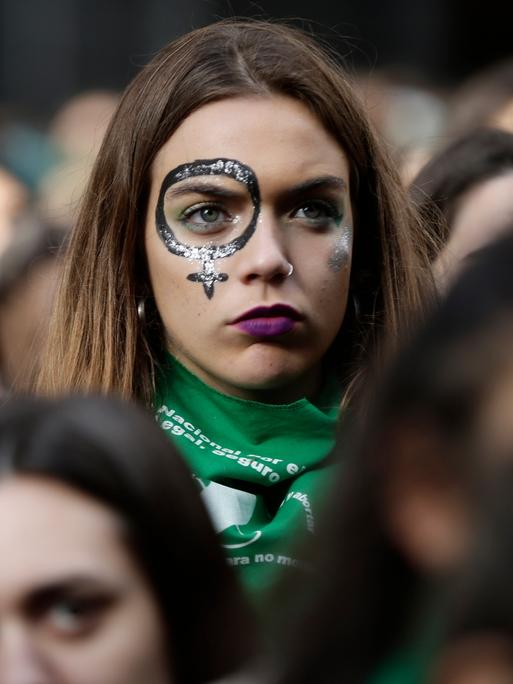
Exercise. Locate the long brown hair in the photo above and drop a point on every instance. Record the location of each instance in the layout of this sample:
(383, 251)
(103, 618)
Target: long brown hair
(97, 342)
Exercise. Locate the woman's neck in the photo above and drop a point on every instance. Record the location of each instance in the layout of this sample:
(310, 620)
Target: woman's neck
(306, 386)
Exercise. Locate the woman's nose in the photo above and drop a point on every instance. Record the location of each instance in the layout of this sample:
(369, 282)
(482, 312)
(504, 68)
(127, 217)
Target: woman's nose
(264, 257)
(19, 660)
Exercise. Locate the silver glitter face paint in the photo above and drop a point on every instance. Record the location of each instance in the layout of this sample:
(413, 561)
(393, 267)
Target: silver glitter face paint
(339, 257)
(207, 254)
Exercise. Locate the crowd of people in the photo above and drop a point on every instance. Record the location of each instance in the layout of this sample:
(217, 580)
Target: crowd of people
(257, 389)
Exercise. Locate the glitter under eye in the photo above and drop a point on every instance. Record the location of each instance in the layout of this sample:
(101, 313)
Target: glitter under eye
(340, 255)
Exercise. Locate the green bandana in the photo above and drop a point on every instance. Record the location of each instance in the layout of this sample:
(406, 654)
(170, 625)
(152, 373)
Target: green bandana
(259, 466)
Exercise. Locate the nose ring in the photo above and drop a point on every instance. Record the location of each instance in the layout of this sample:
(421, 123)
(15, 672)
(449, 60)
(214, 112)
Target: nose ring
(291, 271)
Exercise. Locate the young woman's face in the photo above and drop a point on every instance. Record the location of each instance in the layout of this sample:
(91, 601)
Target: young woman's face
(74, 608)
(249, 236)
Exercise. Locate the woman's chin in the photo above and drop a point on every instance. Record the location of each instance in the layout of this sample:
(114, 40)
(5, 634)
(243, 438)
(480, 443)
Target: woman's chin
(260, 374)
(274, 384)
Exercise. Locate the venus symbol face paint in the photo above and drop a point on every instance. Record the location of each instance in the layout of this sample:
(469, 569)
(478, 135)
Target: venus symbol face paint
(201, 229)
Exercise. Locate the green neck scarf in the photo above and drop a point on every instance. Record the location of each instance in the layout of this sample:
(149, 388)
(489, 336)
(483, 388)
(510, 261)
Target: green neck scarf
(261, 468)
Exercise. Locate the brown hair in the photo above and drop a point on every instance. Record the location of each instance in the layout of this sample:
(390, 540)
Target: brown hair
(97, 342)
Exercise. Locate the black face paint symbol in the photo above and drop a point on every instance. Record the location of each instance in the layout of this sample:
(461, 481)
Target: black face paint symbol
(207, 254)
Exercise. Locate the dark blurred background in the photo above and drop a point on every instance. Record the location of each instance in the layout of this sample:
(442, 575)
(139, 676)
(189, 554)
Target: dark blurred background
(52, 49)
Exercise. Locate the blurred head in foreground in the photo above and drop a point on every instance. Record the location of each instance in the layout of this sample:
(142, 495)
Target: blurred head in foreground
(406, 515)
(97, 516)
(478, 644)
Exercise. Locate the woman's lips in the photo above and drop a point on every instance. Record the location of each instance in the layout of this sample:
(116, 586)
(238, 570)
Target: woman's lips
(267, 327)
(268, 321)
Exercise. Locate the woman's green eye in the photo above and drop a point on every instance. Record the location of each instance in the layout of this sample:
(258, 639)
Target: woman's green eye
(206, 218)
(209, 214)
(75, 616)
(68, 616)
(313, 211)
(316, 211)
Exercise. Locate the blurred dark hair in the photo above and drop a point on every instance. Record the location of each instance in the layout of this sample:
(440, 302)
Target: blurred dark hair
(481, 596)
(366, 587)
(114, 452)
(472, 159)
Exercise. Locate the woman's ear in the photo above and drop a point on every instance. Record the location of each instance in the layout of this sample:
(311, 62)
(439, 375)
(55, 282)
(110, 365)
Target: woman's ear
(425, 507)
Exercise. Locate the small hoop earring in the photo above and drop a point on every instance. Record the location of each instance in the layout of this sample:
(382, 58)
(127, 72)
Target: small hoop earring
(291, 271)
(141, 311)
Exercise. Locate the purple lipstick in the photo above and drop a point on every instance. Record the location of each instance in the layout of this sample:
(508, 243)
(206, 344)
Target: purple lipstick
(268, 321)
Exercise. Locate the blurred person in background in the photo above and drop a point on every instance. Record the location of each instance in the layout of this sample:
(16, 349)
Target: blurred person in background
(111, 571)
(34, 222)
(485, 98)
(244, 254)
(417, 488)
(408, 112)
(466, 193)
(54, 163)
(78, 126)
(26, 151)
(14, 198)
(76, 130)
(28, 270)
(29, 267)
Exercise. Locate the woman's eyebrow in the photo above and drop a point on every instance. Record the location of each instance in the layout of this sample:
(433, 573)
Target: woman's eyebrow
(298, 192)
(320, 183)
(334, 183)
(46, 594)
(203, 188)
(49, 592)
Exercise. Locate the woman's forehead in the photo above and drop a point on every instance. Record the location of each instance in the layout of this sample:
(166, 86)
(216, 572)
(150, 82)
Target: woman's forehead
(276, 136)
